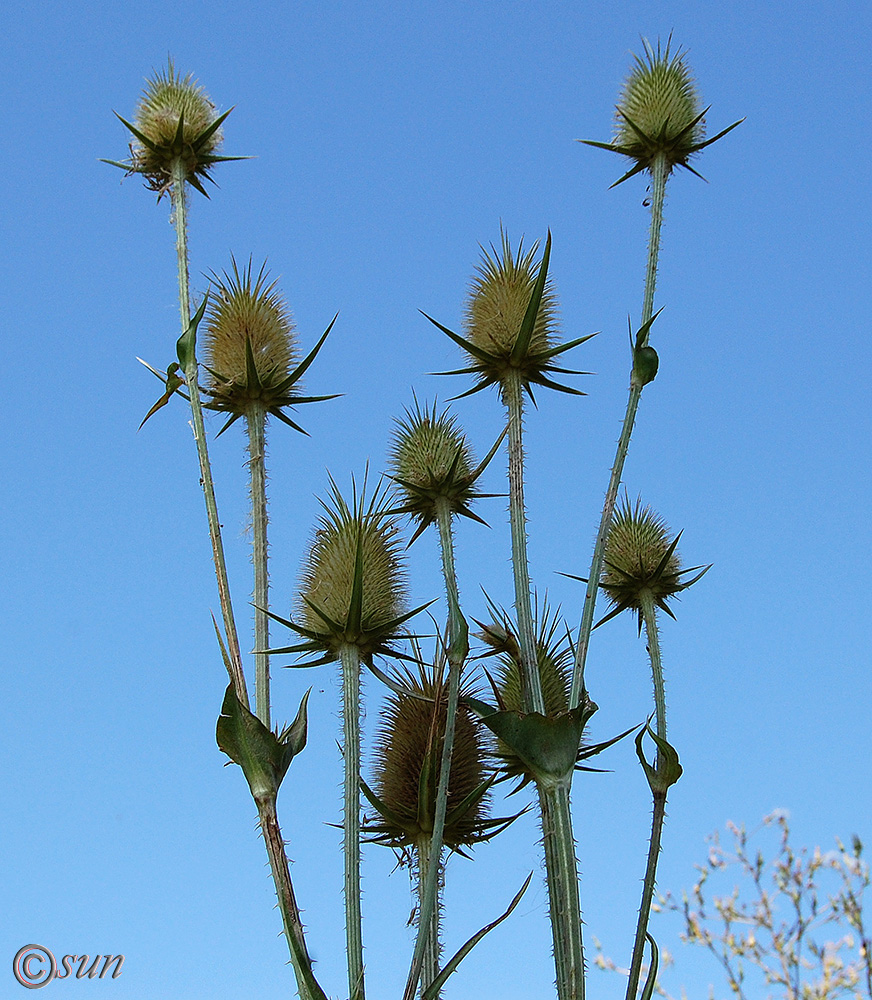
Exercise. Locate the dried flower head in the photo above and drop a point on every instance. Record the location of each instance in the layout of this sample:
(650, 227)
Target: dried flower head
(353, 580)
(175, 121)
(511, 320)
(408, 754)
(658, 116)
(641, 562)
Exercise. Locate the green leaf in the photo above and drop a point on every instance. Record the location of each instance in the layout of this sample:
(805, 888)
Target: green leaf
(263, 756)
(172, 381)
(645, 364)
(666, 770)
(651, 979)
(525, 334)
(547, 745)
(187, 343)
(433, 989)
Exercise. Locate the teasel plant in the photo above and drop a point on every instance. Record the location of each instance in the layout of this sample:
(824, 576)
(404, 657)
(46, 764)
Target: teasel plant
(351, 607)
(406, 770)
(177, 137)
(511, 324)
(252, 357)
(642, 573)
(435, 475)
(659, 125)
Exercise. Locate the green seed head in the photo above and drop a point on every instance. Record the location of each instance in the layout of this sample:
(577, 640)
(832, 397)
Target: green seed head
(250, 345)
(658, 112)
(498, 299)
(167, 98)
(638, 558)
(431, 460)
(408, 754)
(357, 542)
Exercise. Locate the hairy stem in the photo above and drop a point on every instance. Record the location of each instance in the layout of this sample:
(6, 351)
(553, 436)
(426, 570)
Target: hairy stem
(256, 424)
(179, 202)
(426, 946)
(530, 681)
(650, 618)
(563, 895)
(350, 658)
(293, 925)
(659, 173)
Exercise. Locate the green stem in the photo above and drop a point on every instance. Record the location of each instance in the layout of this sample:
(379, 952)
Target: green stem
(650, 618)
(531, 682)
(426, 946)
(350, 658)
(558, 841)
(429, 917)
(256, 422)
(293, 925)
(659, 174)
(179, 201)
(563, 894)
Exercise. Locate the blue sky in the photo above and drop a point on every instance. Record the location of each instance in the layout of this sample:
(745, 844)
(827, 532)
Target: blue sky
(390, 141)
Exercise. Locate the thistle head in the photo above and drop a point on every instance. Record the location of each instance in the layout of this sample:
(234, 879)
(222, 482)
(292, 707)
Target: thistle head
(510, 321)
(659, 117)
(641, 562)
(432, 463)
(353, 589)
(175, 121)
(408, 754)
(250, 344)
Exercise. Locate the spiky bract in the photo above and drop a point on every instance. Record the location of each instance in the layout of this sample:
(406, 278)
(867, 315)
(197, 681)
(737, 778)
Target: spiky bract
(250, 343)
(408, 753)
(431, 460)
(641, 561)
(353, 580)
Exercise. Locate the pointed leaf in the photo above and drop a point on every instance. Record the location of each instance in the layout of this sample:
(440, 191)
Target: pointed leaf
(467, 345)
(547, 745)
(525, 334)
(651, 979)
(207, 133)
(187, 343)
(144, 139)
(667, 769)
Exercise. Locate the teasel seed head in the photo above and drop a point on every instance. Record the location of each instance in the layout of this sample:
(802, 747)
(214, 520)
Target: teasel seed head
(353, 589)
(174, 120)
(511, 321)
(408, 754)
(659, 114)
(641, 561)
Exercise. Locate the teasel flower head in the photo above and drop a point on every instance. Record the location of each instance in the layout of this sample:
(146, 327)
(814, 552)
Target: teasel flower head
(659, 114)
(353, 588)
(641, 562)
(431, 462)
(408, 754)
(251, 350)
(511, 321)
(174, 120)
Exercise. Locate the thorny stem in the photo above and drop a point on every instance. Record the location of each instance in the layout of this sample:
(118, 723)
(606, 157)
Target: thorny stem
(293, 925)
(558, 840)
(256, 423)
(181, 223)
(350, 658)
(650, 618)
(563, 896)
(659, 174)
(427, 944)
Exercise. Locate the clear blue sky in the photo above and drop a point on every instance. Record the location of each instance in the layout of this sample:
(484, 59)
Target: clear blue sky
(390, 141)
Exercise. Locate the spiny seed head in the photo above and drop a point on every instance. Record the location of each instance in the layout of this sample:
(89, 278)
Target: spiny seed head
(660, 99)
(248, 323)
(431, 459)
(498, 298)
(167, 97)
(637, 544)
(328, 577)
(408, 754)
